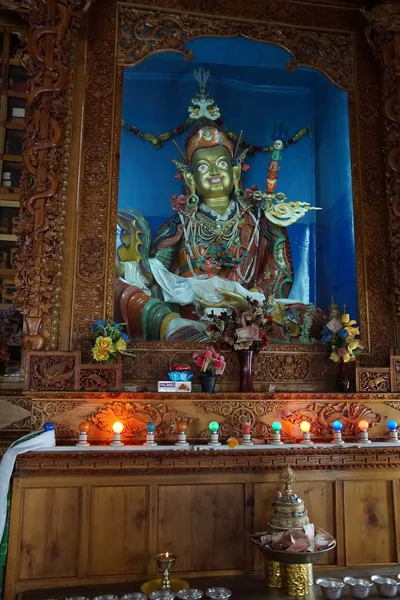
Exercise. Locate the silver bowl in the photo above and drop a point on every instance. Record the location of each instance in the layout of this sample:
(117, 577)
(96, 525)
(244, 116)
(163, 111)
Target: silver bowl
(359, 588)
(331, 588)
(219, 593)
(386, 586)
(190, 594)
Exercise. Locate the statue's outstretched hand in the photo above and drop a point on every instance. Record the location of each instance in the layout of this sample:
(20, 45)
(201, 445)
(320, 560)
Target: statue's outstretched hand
(230, 300)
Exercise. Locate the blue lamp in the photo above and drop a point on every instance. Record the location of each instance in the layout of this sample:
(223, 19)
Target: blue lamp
(393, 434)
(337, 427)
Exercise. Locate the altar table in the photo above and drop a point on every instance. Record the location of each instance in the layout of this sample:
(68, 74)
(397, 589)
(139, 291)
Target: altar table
(99, 516)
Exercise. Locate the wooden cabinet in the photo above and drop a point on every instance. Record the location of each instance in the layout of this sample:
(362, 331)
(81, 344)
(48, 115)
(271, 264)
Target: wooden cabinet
(106, 525)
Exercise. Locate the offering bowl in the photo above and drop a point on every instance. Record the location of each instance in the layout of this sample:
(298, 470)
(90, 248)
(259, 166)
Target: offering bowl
(331, 588)
(359, 588)
(386, 586)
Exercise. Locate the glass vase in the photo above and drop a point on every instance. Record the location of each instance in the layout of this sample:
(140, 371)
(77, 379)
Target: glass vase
(344, 377)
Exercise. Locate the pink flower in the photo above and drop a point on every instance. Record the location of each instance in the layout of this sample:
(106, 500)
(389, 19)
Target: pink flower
(178, 175)
(342, 351)
(245, 167)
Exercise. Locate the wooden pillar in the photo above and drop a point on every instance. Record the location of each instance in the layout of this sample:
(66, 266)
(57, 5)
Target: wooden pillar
(39, 260)
(383, 33)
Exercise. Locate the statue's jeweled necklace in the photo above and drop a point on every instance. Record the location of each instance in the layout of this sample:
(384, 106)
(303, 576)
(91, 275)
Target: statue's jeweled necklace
(209, 238)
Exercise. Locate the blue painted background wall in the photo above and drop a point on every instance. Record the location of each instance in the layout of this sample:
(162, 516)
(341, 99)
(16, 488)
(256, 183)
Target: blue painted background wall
(254, 92)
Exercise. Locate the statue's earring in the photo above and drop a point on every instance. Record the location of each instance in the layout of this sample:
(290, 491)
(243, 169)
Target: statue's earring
(191, 205)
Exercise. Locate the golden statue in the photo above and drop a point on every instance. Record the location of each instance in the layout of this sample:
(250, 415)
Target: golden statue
(222, 246)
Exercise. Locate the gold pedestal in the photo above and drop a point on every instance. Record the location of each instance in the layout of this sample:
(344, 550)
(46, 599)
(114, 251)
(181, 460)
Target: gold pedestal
(273, 573)
(155, 584)
(297, 580)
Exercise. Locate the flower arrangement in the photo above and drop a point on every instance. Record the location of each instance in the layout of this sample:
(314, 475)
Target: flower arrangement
(210, 362)
(247, 330)
(110, 339)
(341, 337)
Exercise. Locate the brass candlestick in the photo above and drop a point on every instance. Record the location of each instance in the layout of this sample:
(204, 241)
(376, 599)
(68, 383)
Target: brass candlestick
(165, 562)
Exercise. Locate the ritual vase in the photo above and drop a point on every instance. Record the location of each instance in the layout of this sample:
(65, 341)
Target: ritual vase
(344, 377)
(207, 383)
(246, 370)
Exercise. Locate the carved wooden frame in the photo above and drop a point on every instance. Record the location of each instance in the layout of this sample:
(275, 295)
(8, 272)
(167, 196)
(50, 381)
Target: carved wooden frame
(309, 42)
(313, 33)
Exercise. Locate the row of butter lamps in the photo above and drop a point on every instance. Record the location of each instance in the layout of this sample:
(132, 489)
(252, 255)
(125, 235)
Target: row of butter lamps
(213, 427)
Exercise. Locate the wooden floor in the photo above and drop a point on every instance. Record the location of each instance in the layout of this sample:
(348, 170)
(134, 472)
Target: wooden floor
(244, 587)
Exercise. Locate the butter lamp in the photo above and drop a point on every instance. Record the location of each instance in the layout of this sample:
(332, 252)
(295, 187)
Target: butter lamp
(363, 426)
(117, 429)
(150, 428)
(181, 427)
(276, 428)
(214, 428)
(246, 439)
(83, 431)
(393, 434)
(337, 427)
(305, 428)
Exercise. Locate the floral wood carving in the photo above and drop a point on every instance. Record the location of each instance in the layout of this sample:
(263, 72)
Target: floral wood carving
(100, 378)
(236, 414)
(383, 33)
(395, 373)
(44, 181)
(136, 415)
(144, 32)
(373, 380)
(58, 371)
(321, 416)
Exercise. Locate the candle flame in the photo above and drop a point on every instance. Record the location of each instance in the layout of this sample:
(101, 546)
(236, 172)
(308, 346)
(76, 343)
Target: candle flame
(166, 554)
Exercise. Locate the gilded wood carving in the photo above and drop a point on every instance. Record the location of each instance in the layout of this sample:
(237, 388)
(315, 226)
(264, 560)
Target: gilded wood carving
(327, 38)
(40, 257)
(383, 33)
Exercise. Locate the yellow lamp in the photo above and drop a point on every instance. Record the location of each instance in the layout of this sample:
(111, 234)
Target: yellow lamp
(117, 429)
(305, 428)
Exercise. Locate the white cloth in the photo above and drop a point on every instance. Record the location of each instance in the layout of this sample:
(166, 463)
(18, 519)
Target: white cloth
(185, 290)
(32, 441)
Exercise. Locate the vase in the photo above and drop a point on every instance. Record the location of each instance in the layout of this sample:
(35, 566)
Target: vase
(246, 370)
(344, 377)
(207, 383)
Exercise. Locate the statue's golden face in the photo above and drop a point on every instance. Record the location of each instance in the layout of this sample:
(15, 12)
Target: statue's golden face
(213, 173)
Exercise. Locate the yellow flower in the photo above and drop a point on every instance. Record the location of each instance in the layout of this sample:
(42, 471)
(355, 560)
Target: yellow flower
(346, 357)
(100, 354)
(120, 346)
(353, 331)
(353, 345)
(105, 343)
(335, 357)
(232, 443)
(345, 318)
(352, 358)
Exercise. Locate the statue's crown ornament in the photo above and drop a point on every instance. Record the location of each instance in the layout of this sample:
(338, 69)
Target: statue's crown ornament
(203, 105)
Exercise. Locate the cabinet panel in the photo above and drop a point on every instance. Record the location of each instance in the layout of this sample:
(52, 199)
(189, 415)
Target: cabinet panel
(50, 532)
(369, 522)
(203, 525)
(119, 527)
